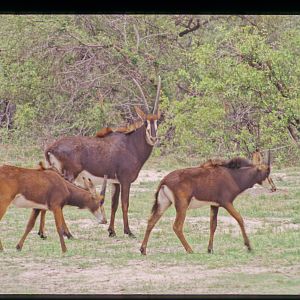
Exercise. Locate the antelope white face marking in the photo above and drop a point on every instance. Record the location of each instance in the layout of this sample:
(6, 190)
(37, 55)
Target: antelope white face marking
(55, 162)
(195, 203)
(95, 180)
(155, 125)
(21, 202)
(151, 140)
(100, 216)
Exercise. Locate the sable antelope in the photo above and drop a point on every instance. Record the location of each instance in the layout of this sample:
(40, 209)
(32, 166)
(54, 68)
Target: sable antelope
(101, 133)
(119, 155)
(257, 159)
(215, 183)
(47, 190)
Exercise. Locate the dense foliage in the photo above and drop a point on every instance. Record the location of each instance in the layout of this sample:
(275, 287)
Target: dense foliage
(229, 83)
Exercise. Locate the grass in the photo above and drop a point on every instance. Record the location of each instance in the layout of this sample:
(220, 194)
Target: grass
(22, 156)
(95, 263)
(262, 283)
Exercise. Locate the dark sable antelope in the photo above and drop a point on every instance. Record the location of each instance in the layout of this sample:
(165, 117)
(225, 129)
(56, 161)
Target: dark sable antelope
(257, 159)
(42, 189)
(216, 183)
(119, 155)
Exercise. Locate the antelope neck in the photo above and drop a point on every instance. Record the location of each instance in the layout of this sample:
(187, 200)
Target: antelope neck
(78, 196)
(244, 179)
(140, 145)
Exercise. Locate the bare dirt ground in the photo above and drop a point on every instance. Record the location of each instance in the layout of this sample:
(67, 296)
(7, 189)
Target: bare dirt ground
(52, 276)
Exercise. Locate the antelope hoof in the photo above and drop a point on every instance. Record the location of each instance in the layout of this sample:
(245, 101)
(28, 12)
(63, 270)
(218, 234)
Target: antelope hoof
(248, 247)
(68, 235)
(131, 235)
(143, 250)
(42, 236)
(210, 251)
(18, 247)
(190, 251)
(111, 233)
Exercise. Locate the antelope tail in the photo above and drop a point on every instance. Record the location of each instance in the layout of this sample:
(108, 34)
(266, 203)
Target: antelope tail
(155, 204)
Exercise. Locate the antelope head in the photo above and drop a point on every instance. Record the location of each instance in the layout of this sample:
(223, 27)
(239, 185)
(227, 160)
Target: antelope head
(265, 168)
(98, 199)
(149, 119)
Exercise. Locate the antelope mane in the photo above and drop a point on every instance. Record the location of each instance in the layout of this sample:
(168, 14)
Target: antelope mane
(129, 128)
(234, 163)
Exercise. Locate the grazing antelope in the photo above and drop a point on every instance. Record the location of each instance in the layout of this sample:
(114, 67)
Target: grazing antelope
(116, 153)
(257, 159)
(215, 183)
(42, 189)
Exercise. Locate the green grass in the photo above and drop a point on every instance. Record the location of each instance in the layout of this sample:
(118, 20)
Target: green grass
(22, 156)
(95, 263)
(262, 283)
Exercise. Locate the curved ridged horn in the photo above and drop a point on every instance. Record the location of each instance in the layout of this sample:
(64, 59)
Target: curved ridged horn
(143, 96)
(157, 96)
(269, 157)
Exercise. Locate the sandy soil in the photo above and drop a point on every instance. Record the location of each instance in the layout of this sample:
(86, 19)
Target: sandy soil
(48, 276)
(136, 277)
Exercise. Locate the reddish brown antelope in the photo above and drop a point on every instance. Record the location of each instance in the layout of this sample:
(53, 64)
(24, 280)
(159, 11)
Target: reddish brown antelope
(47, 190)
(119, 155)
(257, 159)
(216, 183)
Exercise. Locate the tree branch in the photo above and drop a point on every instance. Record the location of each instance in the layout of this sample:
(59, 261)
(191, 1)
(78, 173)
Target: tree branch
(191, 29)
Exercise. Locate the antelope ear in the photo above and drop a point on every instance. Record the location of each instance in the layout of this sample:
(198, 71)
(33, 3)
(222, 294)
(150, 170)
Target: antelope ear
(91, 185)
(140, 113)
(85, 182)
